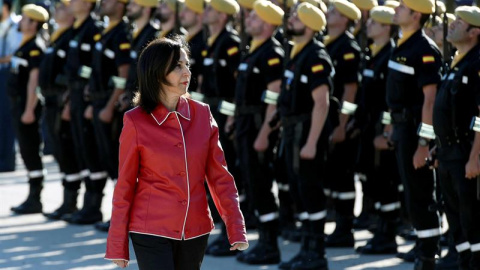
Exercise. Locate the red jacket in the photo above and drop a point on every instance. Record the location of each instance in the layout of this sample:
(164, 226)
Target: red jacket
(165, 158)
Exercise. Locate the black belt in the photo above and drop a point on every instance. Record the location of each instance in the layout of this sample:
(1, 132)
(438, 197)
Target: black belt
(401, 116)
(99, 95)
(463, 137)
(52, 91)
(295, 119)
(249, 109)
(77, 85)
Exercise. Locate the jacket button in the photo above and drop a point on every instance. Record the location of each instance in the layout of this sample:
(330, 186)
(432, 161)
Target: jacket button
(182, 173)
(184, 202)
(179, 145)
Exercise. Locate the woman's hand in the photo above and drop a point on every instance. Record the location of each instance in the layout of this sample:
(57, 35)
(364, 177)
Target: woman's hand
(239, 246)
(121, 263)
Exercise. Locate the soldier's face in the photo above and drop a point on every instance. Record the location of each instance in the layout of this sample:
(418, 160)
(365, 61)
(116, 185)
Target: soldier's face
(134, 11)
(109, 7)
(164, 13)
(179, 78)
(403, 15)
(62, 12)
(210, 15)
(375, 29)
(457, 32)
(253, 24)
(295, 27)
(335, 18)
(188, 18)
(79, 6)
(26, 25)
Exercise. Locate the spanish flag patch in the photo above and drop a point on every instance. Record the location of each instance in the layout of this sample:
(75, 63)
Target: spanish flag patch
(349, 56)
(204, 53)
(125, 46)
(97, 37)
(34, 53)
(273, 61)
(232, 51)
(428, 59)
(317, 68)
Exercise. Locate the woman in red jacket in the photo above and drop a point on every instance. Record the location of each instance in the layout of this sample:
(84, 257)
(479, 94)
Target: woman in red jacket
(169, 146)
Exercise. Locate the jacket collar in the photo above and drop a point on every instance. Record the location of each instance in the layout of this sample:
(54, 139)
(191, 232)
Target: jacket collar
(160, 113)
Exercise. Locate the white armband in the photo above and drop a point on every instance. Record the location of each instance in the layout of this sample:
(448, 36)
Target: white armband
(270, 97)
(348, 108)
(226, 108)
(386, 118)
(426, 131)
(475, 125)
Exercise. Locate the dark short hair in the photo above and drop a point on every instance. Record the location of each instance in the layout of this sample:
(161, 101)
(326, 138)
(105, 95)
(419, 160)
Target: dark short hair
(8, 4)
(156, 61)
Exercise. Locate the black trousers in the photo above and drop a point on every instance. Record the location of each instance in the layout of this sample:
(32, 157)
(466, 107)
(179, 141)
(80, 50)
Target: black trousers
(419, 189)
(462, 209)
(155, 252)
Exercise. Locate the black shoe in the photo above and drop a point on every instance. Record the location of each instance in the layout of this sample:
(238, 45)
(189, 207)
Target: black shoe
(314, 257)
(449, 262)
(365, 221)
(90, 213)
(383, 241)
(32, 205)
(262, 253)
(342, 236)
(220, 247)
(68, 207)
(424, 264)
(409, 256)
(102, 226)
(288, 264)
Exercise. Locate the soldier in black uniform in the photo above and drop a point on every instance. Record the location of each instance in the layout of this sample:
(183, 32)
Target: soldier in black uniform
(345, 54)
(458, 147)
(259, 70)
(53, 86)
(110, 65)
(167, 14)
(220, 63)
(22, 82)
(303, 105)
(414, 72)
(78, 69)
(191, 18)
(375, 149)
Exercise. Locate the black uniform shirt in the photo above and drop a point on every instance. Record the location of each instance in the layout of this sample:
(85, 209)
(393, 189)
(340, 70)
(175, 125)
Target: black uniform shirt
(345, 54)
(25, 58)
(219, 66)
(256, 71)
(414, 64)
(51, 76)
(110, 52)
(81, 47)
(309, 69)
(197, 45)
(457, 100)
(147, 34)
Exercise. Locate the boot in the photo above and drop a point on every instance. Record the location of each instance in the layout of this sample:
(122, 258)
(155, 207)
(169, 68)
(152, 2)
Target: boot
(409, 256)
(266, 250)
(342, 236)
(422, 263)
(304, 246)
(32, 205)
(68, 206)
(90, 213)
(449, 261)
(383, 241)
(314, 258)
(102, 226)
(220, 247)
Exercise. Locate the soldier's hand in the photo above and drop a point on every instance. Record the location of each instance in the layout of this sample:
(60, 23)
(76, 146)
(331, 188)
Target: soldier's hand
(472, 168)
(308, 152)
(105, 115)
(121, 263)
(338, 135)
(229, 124)
(419, 159)
(66, 112)
(381, 143)
(88, 114)
(261, 143)
(28, 117)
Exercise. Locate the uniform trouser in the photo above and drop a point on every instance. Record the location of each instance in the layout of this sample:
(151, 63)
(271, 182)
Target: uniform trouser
(306, 176)
(256, 168)
(28, 136)
(462, 208)
(107, 136)
(340, 176)
(7, 134)
(84, 142)
(61, 134)
(419, 190)
(155, 252)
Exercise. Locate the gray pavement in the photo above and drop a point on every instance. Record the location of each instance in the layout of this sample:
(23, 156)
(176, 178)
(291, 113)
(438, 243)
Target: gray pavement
(33, 242)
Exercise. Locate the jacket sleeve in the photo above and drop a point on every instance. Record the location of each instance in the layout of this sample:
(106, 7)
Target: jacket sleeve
(222, 188)
(128, 167)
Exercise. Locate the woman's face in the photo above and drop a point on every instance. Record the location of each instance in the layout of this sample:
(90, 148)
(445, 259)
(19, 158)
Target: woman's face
(179, 78)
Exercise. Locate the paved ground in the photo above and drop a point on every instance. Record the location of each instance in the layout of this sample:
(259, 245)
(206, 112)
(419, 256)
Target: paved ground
(33, 242)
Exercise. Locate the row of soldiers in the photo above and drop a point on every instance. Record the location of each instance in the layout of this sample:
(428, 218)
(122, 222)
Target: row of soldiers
(299, 99)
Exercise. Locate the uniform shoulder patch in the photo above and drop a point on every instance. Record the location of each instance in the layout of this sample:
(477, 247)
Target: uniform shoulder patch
(34, 53)
(428, 59)
(317, 68)
(348, 56)
(97, 37)
(125, 46)
(273, 61)
(232, 51)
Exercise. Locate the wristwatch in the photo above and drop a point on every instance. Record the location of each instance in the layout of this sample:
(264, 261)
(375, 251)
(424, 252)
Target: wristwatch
(423, 142)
